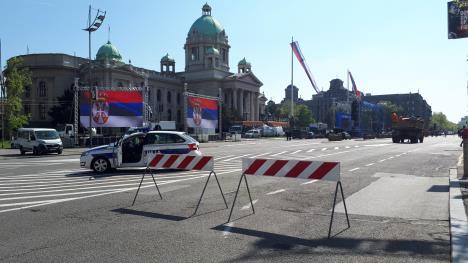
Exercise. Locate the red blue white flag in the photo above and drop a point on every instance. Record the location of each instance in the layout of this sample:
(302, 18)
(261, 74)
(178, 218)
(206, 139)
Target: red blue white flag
(300, 57)
(202, 113)
(355, 89)
(112, 109)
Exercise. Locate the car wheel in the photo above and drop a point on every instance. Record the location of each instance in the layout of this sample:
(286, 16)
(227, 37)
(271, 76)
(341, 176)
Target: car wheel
(59, 151)
(35, 151)
(22, 151)
(100, 165)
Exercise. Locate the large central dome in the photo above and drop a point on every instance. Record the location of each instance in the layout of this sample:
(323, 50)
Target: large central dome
(206, 24)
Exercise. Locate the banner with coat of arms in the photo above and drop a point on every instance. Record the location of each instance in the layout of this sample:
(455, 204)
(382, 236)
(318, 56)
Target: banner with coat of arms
(202, 113)
(112, 109)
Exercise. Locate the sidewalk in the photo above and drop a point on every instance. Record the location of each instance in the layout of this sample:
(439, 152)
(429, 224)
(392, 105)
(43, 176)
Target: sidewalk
(458, 213)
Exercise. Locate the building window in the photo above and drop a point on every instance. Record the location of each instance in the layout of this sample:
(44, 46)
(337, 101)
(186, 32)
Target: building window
(27, 109)
(149, 95)
(169, 97)
(216, 62)
(158, 96)
(27, 92)
(169, 115)
(42, 112)
(179, 116)
(120, 84)
(194, 54)
(178, 98)
(142, 84)
(42, 89)
(223, 53)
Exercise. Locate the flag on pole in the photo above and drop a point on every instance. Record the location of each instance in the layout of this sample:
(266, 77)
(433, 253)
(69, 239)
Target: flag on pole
(355, 89)
(300, 57)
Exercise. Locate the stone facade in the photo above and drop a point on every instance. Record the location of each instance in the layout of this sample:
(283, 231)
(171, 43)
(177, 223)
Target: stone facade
(206, 73)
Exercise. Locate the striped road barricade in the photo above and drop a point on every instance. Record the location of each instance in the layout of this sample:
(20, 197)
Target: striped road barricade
(309, 170)
(180, 162)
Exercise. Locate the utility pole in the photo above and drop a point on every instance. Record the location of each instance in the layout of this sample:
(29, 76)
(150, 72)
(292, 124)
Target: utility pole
(92, 26)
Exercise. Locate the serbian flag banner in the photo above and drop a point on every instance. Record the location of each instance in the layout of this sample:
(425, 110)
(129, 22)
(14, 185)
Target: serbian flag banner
(300, 57)
(353, 83)
(202, 113)
(112, 109)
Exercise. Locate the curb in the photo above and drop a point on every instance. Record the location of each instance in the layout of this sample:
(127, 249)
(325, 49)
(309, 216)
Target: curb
(458, 220)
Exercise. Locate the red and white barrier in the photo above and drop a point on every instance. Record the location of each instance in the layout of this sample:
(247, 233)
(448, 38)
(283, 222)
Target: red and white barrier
(183, 162)
(180, 162)
(317, 170)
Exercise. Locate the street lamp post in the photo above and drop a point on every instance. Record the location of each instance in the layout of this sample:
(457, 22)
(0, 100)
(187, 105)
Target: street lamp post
(92, 26)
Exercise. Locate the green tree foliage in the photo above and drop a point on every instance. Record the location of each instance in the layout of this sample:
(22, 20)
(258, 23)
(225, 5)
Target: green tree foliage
(302, 114)
(229, 117)
(272, 109)
(17, 78)
(441, 122)
(388, 109)
(63, 112)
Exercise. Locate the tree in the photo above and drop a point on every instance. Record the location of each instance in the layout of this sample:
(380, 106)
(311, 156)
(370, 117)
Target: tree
(272, 109)
(63, 112)
(441, 122)
(17, 78)
(302, 114)
(229, 116)
(388, 109)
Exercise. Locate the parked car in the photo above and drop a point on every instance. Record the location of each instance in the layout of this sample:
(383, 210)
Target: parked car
(38, 141)
(254, 133)
(279, 131)
(132, 151)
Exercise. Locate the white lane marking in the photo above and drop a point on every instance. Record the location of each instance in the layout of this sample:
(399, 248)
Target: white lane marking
(276, 192)
(336, 148)
(237, 157)
(219, 158)
(296, 151)
(311, 150)
(258, 155)
(55, 160)
(391, 157)
(227, 229)
(279, 153)
(398, 155)
(323, 149)
(354, 169)
(383, 160)
(55, 201)
(249, 205)
(310, 182)
(356, 146)
(370, 164)
(347, 147)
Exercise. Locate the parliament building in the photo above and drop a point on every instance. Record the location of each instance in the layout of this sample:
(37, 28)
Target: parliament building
(207, 72)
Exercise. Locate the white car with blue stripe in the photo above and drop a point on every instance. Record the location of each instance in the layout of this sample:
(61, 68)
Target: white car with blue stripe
(132, 151)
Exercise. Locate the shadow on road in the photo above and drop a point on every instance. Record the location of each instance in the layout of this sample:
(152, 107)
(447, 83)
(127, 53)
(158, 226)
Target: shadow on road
(127, 211)
(342, 246)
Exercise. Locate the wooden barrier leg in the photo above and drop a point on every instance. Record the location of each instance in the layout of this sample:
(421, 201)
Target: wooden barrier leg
(203, 192)
(138, 190)
(235, 197)
(334, 203)
(250, 197)
(221, 190)
(344, 203)
(333, 209)
(157, 188)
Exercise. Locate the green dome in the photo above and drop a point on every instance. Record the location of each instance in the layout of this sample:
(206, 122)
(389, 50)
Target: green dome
(167, 58)
(243, 62)
(206, 24)
(108, 51)
(212, 50)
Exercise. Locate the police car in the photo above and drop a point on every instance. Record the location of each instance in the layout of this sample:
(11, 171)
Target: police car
(132, 150)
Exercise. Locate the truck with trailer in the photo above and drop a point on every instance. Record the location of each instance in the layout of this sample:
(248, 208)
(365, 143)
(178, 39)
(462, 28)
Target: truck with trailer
(407, 128)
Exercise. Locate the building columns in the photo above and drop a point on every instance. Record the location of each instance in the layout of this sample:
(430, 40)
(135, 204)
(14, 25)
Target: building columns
(241, 104)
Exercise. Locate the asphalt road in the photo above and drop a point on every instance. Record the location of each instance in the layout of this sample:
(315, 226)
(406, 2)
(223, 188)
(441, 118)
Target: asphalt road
(396, 194)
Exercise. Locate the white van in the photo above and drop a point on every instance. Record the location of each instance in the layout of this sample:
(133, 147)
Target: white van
(38, 141)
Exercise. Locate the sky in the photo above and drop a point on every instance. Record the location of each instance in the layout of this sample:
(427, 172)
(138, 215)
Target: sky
(389, 46)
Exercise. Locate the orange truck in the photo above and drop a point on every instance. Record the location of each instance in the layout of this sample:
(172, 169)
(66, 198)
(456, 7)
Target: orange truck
(407, 128)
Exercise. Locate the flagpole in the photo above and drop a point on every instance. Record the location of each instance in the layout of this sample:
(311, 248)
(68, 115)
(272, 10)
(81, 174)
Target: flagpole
(347, 86)
(292, 79)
